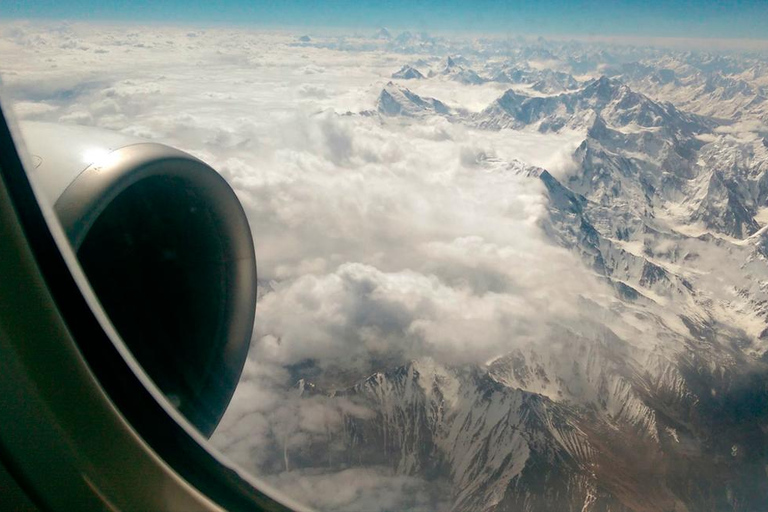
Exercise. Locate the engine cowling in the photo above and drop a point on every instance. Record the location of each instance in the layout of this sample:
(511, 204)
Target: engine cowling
(167, 249)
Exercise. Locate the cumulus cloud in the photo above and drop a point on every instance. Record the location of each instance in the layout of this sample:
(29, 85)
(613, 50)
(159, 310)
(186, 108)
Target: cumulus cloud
(355, 490)
(312, 91)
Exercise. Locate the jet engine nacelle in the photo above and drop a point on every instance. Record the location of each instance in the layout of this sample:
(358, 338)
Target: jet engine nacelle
(168, 251)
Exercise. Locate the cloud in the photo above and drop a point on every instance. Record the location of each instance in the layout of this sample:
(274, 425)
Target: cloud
(466, 286)
(270, 428)
(363, 490)
(312, 91)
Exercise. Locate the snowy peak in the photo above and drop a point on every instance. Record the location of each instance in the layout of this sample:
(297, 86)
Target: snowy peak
(731, 187)
(456, 69)
(395, 100)
(724, 210)
(722, 87)
(545, 80)
(604, 89)
(382, 33)
(466, 76)
(455, 62)
(619, 106)
(408, 73)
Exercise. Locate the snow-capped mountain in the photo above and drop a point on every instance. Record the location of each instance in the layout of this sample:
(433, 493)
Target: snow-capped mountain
(382, 33)
(542, 80)
(622, 430)
(399, 101)
(456, 70)
(407, 73)
(615, 102)
(719, 87)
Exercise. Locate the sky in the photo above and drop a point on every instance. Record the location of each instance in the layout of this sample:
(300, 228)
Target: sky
(746, 19)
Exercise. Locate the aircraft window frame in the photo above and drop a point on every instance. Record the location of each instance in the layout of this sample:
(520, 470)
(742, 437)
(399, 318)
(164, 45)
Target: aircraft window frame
(116, 373)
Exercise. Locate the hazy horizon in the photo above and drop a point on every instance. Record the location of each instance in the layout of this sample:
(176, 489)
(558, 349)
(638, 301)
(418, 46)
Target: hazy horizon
(654, 19)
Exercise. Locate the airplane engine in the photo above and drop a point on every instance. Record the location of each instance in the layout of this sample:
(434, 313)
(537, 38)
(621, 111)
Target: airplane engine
(168, 251)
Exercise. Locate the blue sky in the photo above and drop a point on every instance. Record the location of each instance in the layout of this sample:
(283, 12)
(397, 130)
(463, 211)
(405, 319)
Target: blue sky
(651, 18)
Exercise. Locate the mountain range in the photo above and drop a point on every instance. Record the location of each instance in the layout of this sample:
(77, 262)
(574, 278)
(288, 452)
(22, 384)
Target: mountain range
(657, 398)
